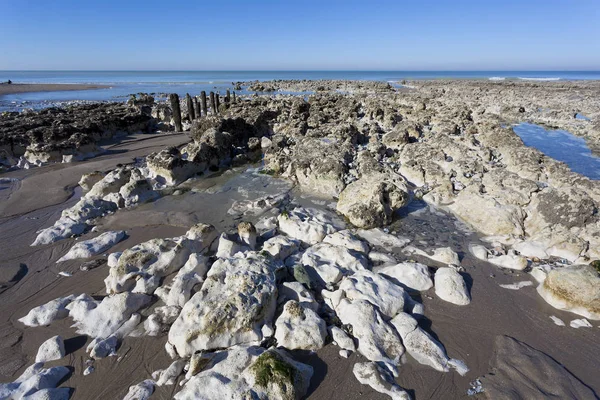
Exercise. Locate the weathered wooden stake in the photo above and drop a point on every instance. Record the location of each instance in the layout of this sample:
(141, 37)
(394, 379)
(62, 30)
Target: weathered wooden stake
(233, 98)
(196, 107)
(203, 103)
(190, 107)
(174, 99)
(217, 104)
(228, 97)
(212, 103)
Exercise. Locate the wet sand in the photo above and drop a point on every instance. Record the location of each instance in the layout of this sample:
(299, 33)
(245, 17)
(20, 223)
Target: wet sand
(14, 88)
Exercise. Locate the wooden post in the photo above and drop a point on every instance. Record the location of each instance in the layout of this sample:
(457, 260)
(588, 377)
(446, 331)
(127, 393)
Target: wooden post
(174, 99)
(212, 103)
(190, 107)
(228, 97)
(233, 98)
(217, 103)
(196, 107)
(203, 108)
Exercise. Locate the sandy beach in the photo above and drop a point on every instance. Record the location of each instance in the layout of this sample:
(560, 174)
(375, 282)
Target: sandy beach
(15, 88)
(419, 163)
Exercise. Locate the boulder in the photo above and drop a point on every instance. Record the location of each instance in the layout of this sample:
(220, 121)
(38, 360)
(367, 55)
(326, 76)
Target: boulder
(411, 275)
(575, 288)
(92, 247)
(371, 201)
(451, 287)
(299, 327)
(51, 349)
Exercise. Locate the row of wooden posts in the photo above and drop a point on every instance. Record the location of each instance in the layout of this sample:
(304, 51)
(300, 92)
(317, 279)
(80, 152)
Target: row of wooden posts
(197, 106)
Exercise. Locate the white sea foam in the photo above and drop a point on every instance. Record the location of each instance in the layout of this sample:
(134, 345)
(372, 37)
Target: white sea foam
(496, 78)
(539, 79)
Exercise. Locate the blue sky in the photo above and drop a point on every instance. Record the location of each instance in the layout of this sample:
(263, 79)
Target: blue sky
(300, 35)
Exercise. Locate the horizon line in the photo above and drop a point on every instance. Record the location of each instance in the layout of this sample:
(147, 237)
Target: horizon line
(300, 70)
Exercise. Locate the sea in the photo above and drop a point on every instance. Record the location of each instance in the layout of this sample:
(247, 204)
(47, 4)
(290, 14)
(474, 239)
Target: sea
(123, 83)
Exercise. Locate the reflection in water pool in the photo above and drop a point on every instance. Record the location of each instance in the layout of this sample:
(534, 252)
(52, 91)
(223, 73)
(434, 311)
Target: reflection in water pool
(562, 146)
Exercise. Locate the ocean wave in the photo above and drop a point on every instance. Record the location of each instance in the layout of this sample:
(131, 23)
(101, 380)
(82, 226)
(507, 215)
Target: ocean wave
(496, 78)
(540, 79)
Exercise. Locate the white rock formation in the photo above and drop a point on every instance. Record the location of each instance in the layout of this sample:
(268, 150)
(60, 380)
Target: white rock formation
(451, 287)
(47, 313)
(422, 347)
(377, 340)
(369, 373)
(510, 261)
(444, 255)
(341, 339)
(36, 382)
(250, 372)
(141, 391)
(299, 327)
(374, 288)
(51, 349)
(308, 224)
(330, 263)
(378, 237)
(296, 291)
(193, 272)
(281, 247)
(348, 240)
(237, 299)
(412, 275)
(91, 247)
(575, 288)
(101, 319)
(169, 375)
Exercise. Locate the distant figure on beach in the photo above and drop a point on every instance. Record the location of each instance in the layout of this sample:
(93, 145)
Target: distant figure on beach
(9, 82)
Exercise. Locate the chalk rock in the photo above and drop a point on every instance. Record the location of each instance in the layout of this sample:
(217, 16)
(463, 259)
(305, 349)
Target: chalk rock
(348, 240)
(411, 275)
(169, 376)
(444, 255)
(575, 288)
(145, 264)
(63, 228)
(51, 349)
(161, 319)
(49, 312)
(281, 247)
(138, 190)
(329, 262)
(193, 272)
(299, 327)
(369, 373)
(88, 180)
(101, 319)
(141, 391)
(451, 287)
(377, 340)
(249, 372)
(110, 183)
(510, 261)
(422, 347)
(91, 247)
(341, 338)
(374, 288)
(308, 224)
(237, 299)
(378, 237)
(296, 291)
(478, 251)
(63, 393)
(36, 382)
(371, 201)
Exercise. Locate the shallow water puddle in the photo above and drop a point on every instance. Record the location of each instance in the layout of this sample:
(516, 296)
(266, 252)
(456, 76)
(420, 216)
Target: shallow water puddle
(562, 146)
